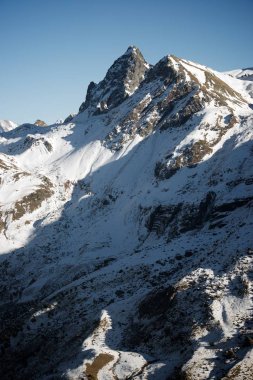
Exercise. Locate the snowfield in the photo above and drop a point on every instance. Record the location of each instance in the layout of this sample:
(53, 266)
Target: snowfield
(126, 232)
(7, 125)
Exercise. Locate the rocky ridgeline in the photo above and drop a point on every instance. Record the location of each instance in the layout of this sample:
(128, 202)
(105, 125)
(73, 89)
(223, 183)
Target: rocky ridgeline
(121, 80)
(164, 96)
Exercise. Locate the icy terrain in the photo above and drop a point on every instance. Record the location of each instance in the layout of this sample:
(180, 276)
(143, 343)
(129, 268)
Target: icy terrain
(126, 232)
(7, 125)
(246, 75)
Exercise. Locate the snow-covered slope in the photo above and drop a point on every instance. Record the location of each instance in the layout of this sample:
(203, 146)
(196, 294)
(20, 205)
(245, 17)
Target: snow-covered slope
(7, 125)
(243, 74)
(246, 75)
(126, 232)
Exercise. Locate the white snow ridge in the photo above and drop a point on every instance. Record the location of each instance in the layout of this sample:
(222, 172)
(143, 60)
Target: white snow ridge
(126, 231)
(7, 125)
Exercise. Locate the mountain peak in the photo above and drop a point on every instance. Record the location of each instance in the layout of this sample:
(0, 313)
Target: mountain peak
(121, 81)
(131, 49)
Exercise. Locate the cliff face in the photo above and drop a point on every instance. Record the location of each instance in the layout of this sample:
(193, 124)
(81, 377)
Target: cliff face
(121, 81)
(126, 231)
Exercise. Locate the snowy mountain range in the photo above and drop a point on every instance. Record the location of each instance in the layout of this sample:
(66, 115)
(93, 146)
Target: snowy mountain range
(245, 75)
(126, 231)
(7, 125)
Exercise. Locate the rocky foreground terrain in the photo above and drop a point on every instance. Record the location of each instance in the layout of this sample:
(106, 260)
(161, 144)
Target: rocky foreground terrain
(126, 232)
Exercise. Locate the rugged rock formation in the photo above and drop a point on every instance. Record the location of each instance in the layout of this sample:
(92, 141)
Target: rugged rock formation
(121, 80)
(40, 123)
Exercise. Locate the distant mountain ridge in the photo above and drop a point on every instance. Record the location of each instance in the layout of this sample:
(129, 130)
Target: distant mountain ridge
(244, 74)
(126, 230)
(7, 125)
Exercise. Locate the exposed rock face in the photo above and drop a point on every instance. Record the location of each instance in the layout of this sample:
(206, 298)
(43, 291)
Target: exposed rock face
(180, 218)
(40, 123)
(173, 220)
(30, 200)
(121, 80)
(173, 96)
(69, 118)
(31, 141)
(191, 155)
(33, 201)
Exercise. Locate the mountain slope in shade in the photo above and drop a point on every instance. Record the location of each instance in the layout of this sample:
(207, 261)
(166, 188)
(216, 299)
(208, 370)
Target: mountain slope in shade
(126, 232)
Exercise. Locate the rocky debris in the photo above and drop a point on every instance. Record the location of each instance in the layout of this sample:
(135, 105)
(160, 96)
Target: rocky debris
(234, 183)
(2, 223)
(192, 106)
(172, 220)
(174, 96)
(33, 201)
(28, 203)
(221, 91)
(241, 370)
(31, 141)
(7, 163)
(40, 123)
(190, 156)
(163, 323)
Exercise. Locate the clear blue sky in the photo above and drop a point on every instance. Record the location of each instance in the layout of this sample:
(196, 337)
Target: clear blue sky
(51, 49)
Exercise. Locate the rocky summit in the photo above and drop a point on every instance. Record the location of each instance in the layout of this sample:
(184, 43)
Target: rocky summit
(126, 231)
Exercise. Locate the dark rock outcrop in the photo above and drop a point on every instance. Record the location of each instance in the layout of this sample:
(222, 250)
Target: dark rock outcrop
(121, 80)
(175, 219)
(69, 118)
